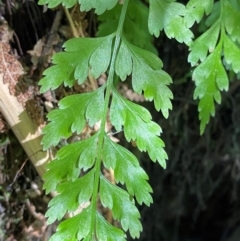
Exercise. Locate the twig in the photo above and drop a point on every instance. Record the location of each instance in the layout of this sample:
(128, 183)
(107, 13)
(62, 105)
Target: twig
(31, 20)
(69, 18)
(20, 169)
(92, 82)
(18, 43)
(48, 45)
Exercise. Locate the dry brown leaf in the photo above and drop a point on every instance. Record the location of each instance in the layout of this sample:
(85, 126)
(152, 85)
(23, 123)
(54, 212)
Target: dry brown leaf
(37, 51)
(43, 50)
(38, 48)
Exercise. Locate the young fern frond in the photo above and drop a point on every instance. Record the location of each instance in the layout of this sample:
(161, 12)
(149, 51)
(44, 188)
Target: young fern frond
(75, 174)
(220, 41)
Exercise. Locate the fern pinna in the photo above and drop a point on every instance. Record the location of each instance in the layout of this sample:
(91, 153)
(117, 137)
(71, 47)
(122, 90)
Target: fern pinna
(76, 173)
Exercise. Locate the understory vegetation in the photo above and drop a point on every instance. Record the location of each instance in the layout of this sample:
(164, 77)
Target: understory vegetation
(138, 104)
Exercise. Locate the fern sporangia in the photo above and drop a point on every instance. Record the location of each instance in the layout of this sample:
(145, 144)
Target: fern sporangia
(76, 173)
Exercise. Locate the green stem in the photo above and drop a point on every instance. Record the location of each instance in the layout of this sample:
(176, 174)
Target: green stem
(103, 123)
(222, 22)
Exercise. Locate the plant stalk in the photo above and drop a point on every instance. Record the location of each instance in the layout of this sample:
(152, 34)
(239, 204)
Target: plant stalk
(105, 113)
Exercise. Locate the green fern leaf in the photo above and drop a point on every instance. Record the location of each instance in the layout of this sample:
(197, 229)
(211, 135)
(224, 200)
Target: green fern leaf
(168, 15)
(82, 55)
(146, 75)
(67, 229)
(100, 6)
(135, 27)
(203, 45)
(123, 65)
(231, 54)
(72, 117)
(206, 108)
(214, 15)
(77, 166)
(232, 21)
(55, 3)
(72, 158)
(195, 10)
(104, 231)
(210, 77)
(67, 201)
(122, 208)
(107, 232)
(127, 171)
(138, 127)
